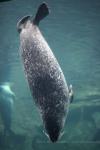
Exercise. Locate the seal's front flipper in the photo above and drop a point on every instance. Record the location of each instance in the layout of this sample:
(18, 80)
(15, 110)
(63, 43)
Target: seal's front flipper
(42, 12)
(71, 94)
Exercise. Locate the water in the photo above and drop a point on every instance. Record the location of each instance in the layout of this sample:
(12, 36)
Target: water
(72, 31)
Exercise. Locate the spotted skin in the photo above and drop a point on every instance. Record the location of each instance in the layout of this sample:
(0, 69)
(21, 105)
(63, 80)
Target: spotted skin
(45, 77)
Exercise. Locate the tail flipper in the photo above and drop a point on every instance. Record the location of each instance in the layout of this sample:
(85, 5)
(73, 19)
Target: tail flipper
(22, 22)
(42, 12)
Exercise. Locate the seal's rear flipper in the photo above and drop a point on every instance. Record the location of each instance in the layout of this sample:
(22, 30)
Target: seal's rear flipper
(22, 22)
(42, 12)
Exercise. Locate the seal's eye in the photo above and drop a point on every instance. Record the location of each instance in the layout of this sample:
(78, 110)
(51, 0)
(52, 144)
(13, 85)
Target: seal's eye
(21, 24)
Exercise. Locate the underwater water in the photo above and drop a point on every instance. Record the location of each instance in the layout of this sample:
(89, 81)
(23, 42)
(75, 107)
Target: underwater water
(72, 30)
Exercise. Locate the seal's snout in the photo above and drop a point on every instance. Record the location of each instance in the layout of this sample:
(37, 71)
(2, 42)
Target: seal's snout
(53, 129)
(54, 135)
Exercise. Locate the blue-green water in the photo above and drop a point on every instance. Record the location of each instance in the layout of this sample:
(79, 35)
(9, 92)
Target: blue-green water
(73, 32)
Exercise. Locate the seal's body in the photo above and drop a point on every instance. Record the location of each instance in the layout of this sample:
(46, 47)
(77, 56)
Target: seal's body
(6, 106)
(45, 77)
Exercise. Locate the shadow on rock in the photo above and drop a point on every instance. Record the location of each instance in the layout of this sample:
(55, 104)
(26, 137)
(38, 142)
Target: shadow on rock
(97, 136)
(12, 141)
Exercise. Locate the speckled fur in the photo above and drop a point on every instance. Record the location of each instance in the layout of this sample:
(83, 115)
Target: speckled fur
(45, 77)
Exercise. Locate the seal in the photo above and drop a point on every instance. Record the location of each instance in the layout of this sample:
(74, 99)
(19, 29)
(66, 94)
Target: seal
(45, 77)
(6, 106)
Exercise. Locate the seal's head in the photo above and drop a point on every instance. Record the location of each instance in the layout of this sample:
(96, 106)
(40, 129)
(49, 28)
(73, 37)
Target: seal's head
(53, 125)
(52, 129)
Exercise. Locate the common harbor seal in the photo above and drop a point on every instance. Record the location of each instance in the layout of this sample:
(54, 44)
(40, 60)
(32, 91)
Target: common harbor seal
(45, 77)
(6, 106)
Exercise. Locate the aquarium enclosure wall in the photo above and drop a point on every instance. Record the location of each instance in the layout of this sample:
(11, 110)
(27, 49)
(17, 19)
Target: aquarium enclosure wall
(72, 30)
